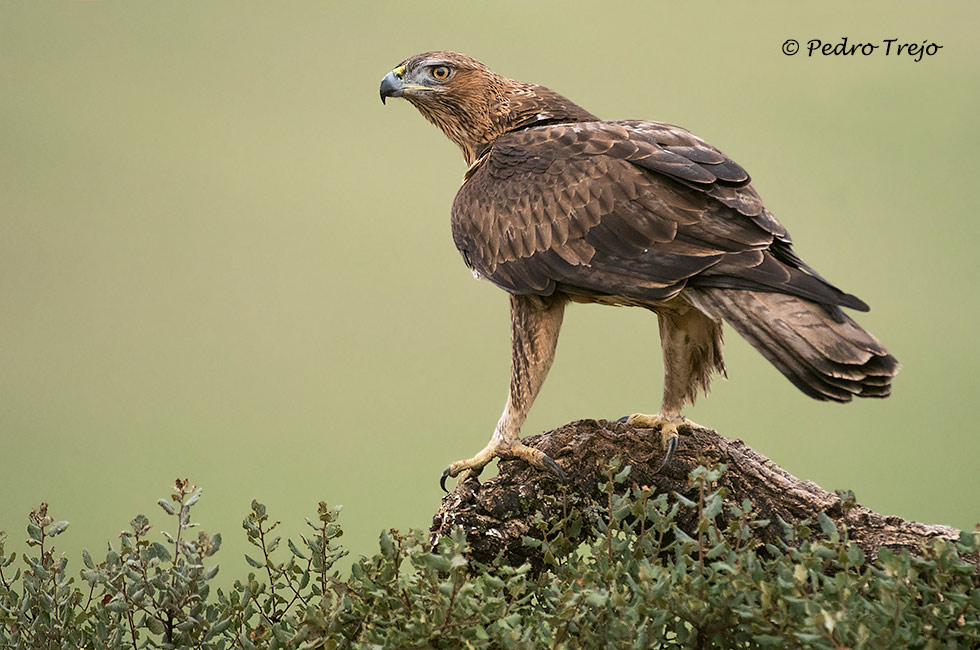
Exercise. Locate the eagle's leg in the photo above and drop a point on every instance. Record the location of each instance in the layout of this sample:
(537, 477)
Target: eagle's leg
(535, 323)
(691, 344)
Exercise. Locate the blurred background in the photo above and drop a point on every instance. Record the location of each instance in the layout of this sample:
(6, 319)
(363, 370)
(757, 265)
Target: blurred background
(222, 258)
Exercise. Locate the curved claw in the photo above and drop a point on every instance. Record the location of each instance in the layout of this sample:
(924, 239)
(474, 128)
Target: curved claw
(553, 467)
(532, 456)
(671, 446)
(464, 475)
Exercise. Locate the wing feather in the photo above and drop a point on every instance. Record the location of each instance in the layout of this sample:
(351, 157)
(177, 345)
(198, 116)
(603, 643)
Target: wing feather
(637, 210)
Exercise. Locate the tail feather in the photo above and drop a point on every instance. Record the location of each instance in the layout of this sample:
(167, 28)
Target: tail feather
(824, 355)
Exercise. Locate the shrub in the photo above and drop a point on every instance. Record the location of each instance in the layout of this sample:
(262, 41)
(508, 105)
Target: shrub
(633, 581)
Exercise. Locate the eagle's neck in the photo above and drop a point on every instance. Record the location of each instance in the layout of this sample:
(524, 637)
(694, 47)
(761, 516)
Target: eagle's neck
(501, 106)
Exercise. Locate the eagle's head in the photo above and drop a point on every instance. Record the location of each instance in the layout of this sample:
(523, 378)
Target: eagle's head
(472, 104)
(453, 91)
(433, 78)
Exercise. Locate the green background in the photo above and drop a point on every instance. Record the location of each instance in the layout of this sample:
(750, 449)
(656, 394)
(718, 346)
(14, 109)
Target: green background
(222, 258)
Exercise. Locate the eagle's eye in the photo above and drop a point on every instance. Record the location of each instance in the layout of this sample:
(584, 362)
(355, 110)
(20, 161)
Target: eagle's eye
(440, 72)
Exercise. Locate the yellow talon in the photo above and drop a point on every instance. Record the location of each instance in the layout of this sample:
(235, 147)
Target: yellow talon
(472, 467)
(668, 431)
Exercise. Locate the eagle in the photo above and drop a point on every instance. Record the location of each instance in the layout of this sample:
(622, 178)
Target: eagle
(559, 206)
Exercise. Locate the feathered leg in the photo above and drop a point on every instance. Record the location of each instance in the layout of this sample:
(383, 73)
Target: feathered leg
(535, 323)
(691, 344)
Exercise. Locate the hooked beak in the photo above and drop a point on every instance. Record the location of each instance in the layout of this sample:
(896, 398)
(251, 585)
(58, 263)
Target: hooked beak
(391, 85)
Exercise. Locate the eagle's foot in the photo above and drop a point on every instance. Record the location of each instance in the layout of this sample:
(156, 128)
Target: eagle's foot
(472, 467)
(668, 427)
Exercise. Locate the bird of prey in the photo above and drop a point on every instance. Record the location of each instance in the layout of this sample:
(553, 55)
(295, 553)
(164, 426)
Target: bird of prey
(559, 206)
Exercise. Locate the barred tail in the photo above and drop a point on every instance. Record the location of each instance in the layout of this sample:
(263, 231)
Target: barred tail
(818, 348)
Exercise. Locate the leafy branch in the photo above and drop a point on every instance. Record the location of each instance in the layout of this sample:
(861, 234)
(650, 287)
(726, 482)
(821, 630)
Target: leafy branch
(630, 577)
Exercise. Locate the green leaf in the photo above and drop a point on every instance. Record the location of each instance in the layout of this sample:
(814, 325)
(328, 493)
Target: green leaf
(968, 539)
(596, 599)
(827, 526)
(57, 528)
(683, 500)
(296, 551)
(718, 549)
(800, 573)
(387, 544)
(254, 563)
(160, 552)
(155, 625)
(808, 638)
(47, 602)
(117, 604)
(194, 497)
(713, 506)
(220, 626)
(621, 476)
(768, 640)
(436, 562)
(163, 503)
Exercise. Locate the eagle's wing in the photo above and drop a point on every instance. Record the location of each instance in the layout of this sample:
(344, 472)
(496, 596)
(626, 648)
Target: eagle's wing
(631, 209)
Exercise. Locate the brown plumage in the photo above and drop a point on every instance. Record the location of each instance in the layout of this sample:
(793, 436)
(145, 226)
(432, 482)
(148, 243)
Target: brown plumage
(560, 206)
